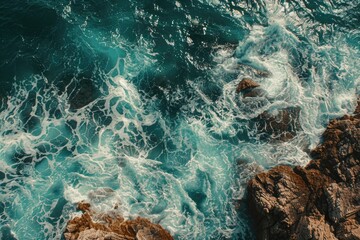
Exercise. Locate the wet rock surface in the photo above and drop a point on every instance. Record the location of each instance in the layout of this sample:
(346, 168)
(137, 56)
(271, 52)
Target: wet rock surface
(91, 225)
(319, 201)
(281, 124)
(254, 92)
(246, 84)
(274, 124)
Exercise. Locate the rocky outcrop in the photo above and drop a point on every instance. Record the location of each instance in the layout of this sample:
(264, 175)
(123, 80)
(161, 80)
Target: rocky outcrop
(246, 84)
(276, 124)
(319, 201)
(91, 225)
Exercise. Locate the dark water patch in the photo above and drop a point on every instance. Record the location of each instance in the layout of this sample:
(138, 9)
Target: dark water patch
(352, 17)
(82, 93)
(20, 160)
(2, 208)
(6, 233)
(37, 20)
(29, 32)
(45, 148)
(72, 124)
(56, 189)
(197, 197)
(195, 189)
(302, 65)
(343, 14)
(194, 42)
(159, 207)
(26, 110)
(37, 40)
(81, 89)
(57, 211)
(157, 151)
(100, 114)
(165, 85)
(212, 90)
(187, 209)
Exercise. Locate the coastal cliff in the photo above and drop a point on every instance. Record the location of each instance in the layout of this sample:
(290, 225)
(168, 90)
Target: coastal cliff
(319, 201)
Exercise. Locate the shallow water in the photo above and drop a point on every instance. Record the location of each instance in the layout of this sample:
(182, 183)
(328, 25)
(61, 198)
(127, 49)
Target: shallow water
(133, 103)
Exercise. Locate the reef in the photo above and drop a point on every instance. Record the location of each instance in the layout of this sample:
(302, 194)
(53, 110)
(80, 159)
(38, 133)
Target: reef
(318, 201)
(111, 226)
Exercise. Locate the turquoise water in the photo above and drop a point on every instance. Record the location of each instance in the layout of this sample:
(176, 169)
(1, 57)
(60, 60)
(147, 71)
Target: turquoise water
(133, 103)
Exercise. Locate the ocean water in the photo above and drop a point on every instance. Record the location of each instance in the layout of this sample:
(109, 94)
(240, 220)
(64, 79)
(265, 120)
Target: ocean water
(133, 103)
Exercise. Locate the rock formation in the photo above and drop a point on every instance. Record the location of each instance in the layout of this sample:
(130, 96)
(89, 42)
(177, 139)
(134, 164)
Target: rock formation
(319, 201)
(278, 124)
(91, 225)
(282, 125)
(245, 84)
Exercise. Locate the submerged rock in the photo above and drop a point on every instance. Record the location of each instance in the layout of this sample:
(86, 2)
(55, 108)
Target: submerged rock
(319, 201)
(91, 225)
(246, 84)
(80, 88)
(262, 73)
(281, 124)
(254, 92)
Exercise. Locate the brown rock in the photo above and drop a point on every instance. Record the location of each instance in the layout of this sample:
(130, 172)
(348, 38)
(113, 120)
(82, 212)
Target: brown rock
(112, 227)
(84, 206)
(246, 83)
(281, 125)
(313, 228)
(357, 110)
(319, 201)
(279, 198)
(349, 230)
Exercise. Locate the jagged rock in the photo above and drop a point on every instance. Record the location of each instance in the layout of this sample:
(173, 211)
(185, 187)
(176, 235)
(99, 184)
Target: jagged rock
(245, 84)
(91, 225)
(319, 201)
(278, 194)
(84, 206)
(92, 234)
(314, 228)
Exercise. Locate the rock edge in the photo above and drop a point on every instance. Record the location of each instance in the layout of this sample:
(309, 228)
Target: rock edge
(319, 201)
(111, 226)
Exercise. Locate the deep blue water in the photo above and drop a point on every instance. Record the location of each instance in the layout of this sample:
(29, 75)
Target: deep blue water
(133, 103)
